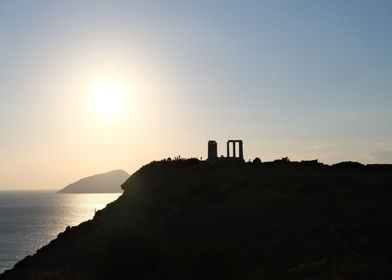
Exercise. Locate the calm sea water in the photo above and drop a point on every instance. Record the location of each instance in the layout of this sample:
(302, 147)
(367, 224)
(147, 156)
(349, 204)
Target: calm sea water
(30, 219)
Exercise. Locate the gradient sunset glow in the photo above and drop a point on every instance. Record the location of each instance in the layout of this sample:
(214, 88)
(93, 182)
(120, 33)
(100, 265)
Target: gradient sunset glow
(91, 86)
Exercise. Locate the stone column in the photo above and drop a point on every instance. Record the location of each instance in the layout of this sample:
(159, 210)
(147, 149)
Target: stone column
(228, 149)
(234, 152)
(241, 151)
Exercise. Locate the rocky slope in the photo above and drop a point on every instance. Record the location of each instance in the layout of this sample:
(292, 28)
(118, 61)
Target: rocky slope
(191, 220)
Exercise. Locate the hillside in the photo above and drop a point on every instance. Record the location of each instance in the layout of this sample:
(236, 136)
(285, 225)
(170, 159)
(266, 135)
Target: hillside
(190, 220)
(109, 182)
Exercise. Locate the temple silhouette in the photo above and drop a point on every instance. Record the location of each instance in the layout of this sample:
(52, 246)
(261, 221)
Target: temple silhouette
(231, 153)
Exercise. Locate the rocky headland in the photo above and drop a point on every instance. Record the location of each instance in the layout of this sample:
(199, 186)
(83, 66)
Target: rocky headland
(188, 219)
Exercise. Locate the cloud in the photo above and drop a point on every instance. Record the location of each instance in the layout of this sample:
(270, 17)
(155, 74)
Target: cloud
(381, 155)
(318, 147)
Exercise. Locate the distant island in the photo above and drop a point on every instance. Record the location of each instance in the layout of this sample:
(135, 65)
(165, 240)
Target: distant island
(109, 182)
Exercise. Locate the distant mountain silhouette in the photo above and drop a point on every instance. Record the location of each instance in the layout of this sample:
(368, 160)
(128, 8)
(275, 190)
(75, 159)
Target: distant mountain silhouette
(187, 219)
(109, 182)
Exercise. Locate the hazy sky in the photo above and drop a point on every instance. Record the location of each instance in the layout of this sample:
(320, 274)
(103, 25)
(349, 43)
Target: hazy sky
(303, 79)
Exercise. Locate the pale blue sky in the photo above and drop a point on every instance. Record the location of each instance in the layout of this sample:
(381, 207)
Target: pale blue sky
(303, 79)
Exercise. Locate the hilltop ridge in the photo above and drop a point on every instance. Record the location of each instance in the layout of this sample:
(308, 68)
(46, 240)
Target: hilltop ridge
(188, 219)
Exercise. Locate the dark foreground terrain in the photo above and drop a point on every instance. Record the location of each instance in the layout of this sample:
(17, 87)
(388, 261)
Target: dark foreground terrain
(191, 220)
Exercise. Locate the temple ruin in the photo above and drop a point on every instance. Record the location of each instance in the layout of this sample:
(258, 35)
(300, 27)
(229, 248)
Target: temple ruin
(212, 151)
(231, 151)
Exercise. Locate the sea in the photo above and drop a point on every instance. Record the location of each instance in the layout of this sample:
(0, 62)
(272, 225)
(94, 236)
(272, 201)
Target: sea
(31, 219)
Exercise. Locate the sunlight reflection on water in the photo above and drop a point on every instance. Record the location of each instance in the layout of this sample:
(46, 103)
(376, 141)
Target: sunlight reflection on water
(30, 219)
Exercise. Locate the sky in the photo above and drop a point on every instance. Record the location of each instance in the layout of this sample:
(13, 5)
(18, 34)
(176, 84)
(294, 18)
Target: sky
(304, 79)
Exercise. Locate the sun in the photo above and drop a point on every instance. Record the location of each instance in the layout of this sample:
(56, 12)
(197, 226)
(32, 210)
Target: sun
(109, 99)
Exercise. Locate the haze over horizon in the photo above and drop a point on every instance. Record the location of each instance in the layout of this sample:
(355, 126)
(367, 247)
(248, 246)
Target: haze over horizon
(92, 86)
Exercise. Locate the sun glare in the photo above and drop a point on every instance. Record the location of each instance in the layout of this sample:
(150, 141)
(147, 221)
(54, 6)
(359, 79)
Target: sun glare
(109, 99)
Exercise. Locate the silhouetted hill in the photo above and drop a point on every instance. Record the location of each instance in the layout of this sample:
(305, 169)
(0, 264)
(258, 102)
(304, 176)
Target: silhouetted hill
(192, 220)
(109, 182)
